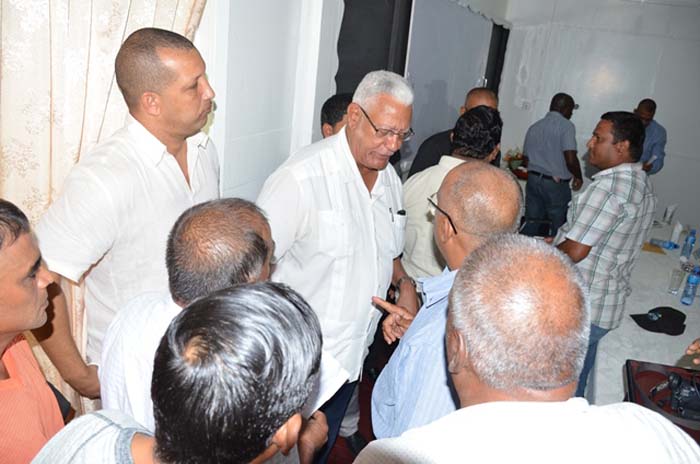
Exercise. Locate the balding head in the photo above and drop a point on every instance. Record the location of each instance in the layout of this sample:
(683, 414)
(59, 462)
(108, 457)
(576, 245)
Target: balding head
(138, 66)
(479, 96)
(217, 244)
(520, 307)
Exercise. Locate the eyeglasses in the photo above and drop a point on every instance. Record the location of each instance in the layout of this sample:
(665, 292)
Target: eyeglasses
(383, 133)
(432, 199)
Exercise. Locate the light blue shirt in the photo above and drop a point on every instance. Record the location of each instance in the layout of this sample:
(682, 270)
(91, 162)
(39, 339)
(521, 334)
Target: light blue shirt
(545, 144)
(654, 146)
(414, 388)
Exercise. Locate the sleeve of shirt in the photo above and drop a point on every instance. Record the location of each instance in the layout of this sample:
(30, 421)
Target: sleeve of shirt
(81, 225)
(281, 199)
(658, 150)
(568, 137)
(596, 211)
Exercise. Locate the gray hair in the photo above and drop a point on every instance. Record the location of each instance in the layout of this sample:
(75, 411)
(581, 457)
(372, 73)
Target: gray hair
(383, 82)
(522, 310)
(484, 200)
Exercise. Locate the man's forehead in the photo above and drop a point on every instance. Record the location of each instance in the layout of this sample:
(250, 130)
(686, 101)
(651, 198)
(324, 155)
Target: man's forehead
(20, 255)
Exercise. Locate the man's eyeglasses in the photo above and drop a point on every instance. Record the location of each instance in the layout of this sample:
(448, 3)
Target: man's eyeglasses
(432, 199)
(383, 133)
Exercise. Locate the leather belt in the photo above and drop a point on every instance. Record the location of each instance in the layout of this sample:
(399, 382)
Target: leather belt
(545, 176)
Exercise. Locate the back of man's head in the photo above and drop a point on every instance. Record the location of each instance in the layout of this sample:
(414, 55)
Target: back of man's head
(231, 370)
(480, 96)
(214, 245)
(13, 223)
(335, 108)
(482, 199)
(520, 306)
(647, 104)
(139, 69)
(562, 103)
(477, 133)
(383, 82)
(627, 126)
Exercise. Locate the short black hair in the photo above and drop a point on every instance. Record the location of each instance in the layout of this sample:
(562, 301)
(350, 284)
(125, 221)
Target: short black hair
(647, 104)
(562, 102)
(214, 245)
(627, 126)
(334, 108)
(13, 223)
(231, 369)
(477, 132)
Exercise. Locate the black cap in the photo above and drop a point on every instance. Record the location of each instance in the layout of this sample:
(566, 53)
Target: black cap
(662, 319)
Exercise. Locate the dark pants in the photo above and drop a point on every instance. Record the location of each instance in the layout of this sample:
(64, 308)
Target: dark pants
(545, 199)
(334, 409)
(596, 334)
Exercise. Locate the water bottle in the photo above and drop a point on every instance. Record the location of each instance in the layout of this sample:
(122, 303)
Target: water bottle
(667, 244)
(691, 286)
(688, 246)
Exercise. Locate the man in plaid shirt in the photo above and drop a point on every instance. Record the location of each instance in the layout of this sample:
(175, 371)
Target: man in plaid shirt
(607, 224)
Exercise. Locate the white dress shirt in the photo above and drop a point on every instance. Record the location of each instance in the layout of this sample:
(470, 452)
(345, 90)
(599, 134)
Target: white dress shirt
(111, 221)
(544, 432)
(128, 352)
(335, 241)
(421, 257)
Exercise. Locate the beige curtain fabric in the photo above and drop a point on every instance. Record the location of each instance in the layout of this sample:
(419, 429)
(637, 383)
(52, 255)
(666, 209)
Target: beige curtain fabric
(58, 98)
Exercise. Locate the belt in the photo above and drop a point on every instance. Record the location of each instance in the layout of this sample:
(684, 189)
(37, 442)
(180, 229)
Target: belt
(545, 176)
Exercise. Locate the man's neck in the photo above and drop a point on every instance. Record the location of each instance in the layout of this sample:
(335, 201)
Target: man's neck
(369, 177)
(485, 394)
(175, 145)
(5, 340)
(143, 449)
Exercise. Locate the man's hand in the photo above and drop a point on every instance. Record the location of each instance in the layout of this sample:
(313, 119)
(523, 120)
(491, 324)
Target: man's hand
(87, 383)
(694, 350)
(312, 436)
(646, 167)
(397, 322)
(576, 184)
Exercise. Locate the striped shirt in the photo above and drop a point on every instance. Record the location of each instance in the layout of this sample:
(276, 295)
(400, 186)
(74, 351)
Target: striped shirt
(613, 216)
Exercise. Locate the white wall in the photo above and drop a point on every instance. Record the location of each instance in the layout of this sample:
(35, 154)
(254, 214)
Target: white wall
(609, 54)
(270, 62)
(447, 56)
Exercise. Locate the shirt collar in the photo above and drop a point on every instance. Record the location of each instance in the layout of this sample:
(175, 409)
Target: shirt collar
(437, 288)
(624, 167)
(152, 148)
(353, 172)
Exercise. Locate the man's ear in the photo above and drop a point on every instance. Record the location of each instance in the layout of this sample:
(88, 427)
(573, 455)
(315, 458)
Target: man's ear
(287, 436)
(623, 149)
(150, 103)
(462, 110)
(456, 351)
(354, 115)
(326, 130)
(493, 154)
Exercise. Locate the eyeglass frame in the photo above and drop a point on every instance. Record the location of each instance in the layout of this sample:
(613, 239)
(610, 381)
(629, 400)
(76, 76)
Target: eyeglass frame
(383, 133)
(434, 204)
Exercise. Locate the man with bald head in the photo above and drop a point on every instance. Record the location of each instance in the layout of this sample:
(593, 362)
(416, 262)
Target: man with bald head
(110, 223)
(437, 145)
(475, 201)
(516, 338)
(477, 135)
(654, 137)
(550, 148)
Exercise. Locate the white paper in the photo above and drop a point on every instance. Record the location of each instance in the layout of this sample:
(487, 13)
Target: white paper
(331, 377)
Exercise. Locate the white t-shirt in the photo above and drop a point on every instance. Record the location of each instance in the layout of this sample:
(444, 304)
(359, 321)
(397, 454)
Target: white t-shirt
(421, 257)
(544, 432)
(111, 221)
(128, 351)
(335, 241)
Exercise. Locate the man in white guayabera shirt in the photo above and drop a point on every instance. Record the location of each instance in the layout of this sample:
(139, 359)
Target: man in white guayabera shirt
(338, 223)
(110, 223)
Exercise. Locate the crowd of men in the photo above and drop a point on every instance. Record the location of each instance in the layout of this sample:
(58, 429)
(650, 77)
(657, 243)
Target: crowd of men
(212, 320)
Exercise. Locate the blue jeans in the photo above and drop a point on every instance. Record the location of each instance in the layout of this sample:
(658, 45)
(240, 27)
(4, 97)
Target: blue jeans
(596, 334)
(545, 199)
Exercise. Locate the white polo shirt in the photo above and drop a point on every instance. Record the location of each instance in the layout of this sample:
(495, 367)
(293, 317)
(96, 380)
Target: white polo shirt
(111, 222)
(335, 242)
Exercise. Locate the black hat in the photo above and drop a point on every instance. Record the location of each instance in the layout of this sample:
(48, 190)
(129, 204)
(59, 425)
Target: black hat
(662, 319)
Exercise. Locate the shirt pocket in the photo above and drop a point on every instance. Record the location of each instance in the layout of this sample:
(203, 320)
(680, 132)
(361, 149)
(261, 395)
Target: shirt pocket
(333, 233)
(399, 233)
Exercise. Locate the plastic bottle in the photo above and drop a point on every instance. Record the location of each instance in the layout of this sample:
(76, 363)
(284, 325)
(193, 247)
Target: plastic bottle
(667, 244)
(691, 286)
(688, 246)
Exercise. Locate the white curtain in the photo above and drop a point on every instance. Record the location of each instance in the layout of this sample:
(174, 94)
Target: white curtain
(58, 98)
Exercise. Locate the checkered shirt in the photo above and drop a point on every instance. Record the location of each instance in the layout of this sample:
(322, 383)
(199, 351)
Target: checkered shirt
(613, 216)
